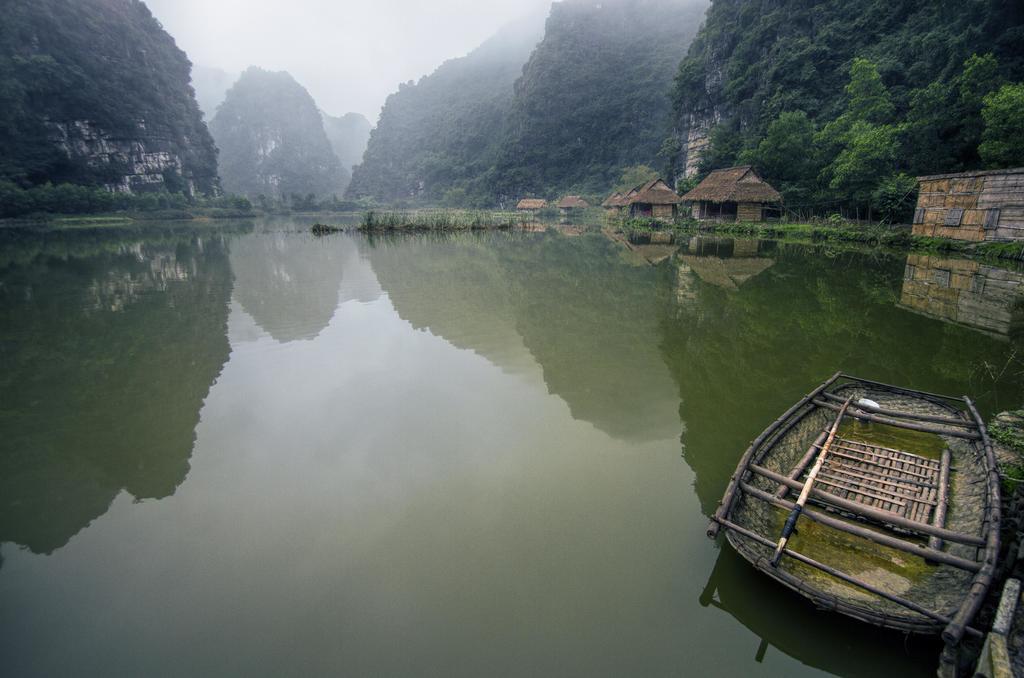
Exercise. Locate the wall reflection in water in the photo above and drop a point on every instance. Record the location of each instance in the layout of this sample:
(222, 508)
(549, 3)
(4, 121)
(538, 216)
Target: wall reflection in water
(967, 292)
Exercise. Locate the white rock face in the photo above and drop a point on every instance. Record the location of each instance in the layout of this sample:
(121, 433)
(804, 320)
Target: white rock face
(140, 158)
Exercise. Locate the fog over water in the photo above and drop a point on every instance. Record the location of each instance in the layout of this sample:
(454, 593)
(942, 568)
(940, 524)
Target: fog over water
(349, 55)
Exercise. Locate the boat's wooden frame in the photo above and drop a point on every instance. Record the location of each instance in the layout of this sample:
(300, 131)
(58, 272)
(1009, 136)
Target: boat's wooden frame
(960, 421)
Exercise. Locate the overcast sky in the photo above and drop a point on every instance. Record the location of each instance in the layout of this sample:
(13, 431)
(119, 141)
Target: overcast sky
(349, 55)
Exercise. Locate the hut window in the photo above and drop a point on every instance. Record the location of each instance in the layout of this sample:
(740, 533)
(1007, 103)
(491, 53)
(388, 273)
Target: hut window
(954, 216)
(992, 218)
(978, 284)
(941, 277)
(919, 215)
(909, 271)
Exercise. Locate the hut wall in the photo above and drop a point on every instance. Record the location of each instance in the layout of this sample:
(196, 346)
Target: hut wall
(962, 291)
(749, 211)
(663, 211)
(977, 197)
(1004, 192)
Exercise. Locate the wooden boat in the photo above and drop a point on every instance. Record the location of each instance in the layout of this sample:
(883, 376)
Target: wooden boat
(901, 524)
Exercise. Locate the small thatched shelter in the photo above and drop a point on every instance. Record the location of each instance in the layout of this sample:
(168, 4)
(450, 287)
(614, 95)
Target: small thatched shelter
(653, 199)
(972, 205)
(614, 202)
(572, 202)
(733, 194)
(531, 204)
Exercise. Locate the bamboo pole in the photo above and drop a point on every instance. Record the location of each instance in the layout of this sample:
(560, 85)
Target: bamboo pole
(939, 519)
(805, 492)
(729, 498)
(983, 579)
(798, 470)
(875, 514)
(919, 550)
(954, 421)
(863, 416)
(910, 605)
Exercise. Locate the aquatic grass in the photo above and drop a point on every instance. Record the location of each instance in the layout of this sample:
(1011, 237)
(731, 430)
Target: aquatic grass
(440, 220)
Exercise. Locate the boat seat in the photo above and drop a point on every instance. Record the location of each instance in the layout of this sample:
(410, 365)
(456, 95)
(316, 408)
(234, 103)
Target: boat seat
(881, 477)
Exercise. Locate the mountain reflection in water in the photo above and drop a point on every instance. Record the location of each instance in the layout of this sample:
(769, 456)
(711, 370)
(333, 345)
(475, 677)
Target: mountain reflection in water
(433, 454)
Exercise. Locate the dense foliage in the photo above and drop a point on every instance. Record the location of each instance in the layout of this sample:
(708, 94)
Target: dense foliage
(272, 140)
(16, 201)
(837, 102)
(594, 96)
(108, 62)
(348, 135)
(592, 99)
(436, 138)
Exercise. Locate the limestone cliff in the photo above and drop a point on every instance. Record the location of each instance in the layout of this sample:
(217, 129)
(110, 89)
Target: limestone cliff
(96, 92)
(272, 140)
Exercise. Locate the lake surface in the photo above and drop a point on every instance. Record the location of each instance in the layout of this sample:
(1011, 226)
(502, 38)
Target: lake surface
(245, 451)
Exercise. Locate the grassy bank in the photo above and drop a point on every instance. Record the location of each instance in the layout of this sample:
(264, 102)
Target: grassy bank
(871, 235)
(121, 218)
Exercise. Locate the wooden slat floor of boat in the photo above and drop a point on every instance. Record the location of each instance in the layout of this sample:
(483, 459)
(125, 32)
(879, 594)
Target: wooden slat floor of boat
(892, 480)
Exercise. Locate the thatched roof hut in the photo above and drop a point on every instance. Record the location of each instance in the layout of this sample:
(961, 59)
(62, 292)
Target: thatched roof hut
(653, 199)
(735, 193)
(531, 204)
(613, 201)
(572, 202)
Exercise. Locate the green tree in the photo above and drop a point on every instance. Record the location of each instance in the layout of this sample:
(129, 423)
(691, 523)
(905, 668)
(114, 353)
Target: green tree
(635, 176)
(725, 143)
(1002, 142)
(787, 156)
(895, 198)
(869, 152)
(669, 154)
(869, 100)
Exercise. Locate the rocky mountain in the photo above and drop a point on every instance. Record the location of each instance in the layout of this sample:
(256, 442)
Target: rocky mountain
(211, 86)
(96, 92)
(439, 136)
(755, 60)
(348, 135)
(594, 97)
(518, 116)
(272, 140)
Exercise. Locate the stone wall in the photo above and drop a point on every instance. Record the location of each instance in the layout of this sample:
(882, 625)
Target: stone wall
(972, 206)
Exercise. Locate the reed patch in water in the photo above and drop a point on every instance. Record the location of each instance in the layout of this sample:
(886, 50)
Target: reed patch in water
(441, 220)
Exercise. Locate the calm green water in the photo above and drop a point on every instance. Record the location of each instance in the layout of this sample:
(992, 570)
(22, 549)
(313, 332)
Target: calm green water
(246, 451)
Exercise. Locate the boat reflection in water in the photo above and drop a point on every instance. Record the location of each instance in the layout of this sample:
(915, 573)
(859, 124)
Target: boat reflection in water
(759, 604)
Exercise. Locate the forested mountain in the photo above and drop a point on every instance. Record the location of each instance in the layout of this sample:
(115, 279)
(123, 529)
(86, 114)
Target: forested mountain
(348, 135)
(839, 102)
(211, 86)
(507, 120)
(439, 136)
(272, 140)
(595, 95)
(96, 92)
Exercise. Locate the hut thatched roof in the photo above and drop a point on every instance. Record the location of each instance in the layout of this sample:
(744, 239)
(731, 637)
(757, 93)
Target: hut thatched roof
(735, 184)
(613, 200)
(654, 192)
(981, 173)
(531, 204)
(573, 202)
